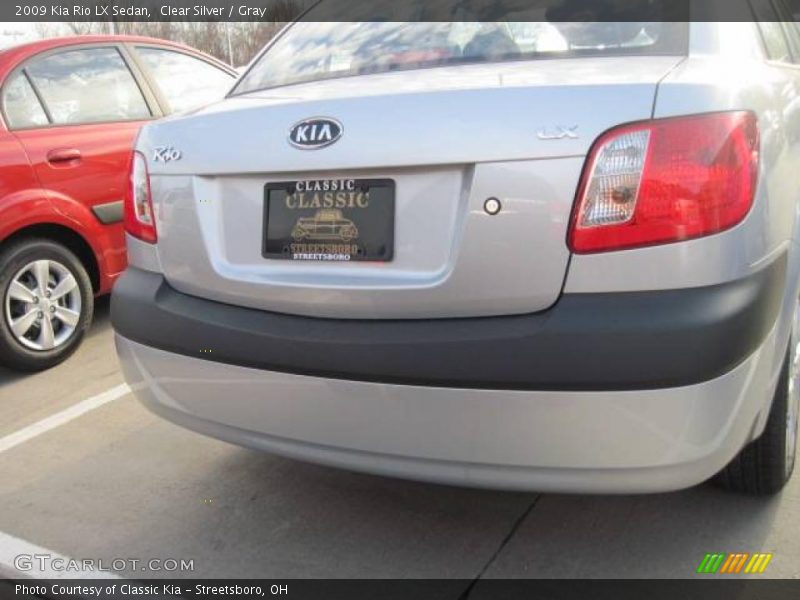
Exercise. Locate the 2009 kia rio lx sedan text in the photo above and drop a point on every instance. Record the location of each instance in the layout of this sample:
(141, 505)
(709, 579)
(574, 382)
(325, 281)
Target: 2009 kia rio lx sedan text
(550, 256)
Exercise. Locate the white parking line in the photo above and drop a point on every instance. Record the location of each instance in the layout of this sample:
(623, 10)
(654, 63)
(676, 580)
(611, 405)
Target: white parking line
(60, 418)
(19, 558)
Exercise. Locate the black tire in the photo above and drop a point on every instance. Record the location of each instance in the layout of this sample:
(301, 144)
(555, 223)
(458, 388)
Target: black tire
(16, 256)
(761, 467)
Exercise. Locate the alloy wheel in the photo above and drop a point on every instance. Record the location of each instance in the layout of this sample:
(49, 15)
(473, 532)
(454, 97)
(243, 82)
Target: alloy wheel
(43, 305)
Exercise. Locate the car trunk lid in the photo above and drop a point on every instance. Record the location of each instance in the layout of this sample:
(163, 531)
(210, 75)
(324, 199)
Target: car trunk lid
(448, 139)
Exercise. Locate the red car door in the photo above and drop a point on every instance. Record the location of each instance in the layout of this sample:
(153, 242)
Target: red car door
(95, 107)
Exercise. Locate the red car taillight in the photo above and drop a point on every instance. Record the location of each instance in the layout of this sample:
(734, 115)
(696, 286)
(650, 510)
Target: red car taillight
(139, 217)
(665, 181)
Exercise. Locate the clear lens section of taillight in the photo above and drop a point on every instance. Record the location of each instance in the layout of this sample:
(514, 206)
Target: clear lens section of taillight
(665, 181)
(139, 216)
(614, 183)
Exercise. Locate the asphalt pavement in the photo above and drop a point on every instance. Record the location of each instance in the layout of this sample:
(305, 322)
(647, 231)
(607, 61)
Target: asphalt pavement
(87, 473)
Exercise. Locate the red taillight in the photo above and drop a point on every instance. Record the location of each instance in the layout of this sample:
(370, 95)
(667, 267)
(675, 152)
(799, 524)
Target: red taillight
(665, 181)
(139, 216)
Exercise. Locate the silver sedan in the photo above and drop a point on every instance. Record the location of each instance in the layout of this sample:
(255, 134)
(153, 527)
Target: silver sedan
(551, 256)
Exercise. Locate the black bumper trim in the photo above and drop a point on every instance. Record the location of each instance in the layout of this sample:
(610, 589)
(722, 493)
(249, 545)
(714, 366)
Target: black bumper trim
(609, 341)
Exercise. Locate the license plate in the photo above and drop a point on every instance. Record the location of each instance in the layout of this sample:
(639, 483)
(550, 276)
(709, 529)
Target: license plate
(329, 220)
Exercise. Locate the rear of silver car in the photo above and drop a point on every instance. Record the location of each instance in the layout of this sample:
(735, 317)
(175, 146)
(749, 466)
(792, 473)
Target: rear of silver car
(433, 272)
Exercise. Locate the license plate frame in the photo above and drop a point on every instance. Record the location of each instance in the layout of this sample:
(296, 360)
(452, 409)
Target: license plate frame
(329, 220)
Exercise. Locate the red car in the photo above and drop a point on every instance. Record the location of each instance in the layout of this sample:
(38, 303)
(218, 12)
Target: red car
(71, 108)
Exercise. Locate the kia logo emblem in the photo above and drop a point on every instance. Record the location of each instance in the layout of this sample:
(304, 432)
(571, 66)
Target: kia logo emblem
(315, 133)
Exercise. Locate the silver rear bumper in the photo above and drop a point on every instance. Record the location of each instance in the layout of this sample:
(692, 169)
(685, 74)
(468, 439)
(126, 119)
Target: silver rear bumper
(567, 441)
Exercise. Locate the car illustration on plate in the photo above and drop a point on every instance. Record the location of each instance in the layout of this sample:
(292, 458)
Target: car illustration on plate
(326, 224)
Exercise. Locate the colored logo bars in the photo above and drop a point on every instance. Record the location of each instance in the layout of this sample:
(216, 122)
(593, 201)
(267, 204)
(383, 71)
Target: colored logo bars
(733, 564)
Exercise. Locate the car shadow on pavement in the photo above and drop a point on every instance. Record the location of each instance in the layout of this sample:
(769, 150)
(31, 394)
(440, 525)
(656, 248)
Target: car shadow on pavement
(299, 520)
(102, 316)
(7, 376)
(283, 518)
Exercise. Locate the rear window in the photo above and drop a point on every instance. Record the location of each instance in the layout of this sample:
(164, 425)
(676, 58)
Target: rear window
(186, 81)
(311, 51)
